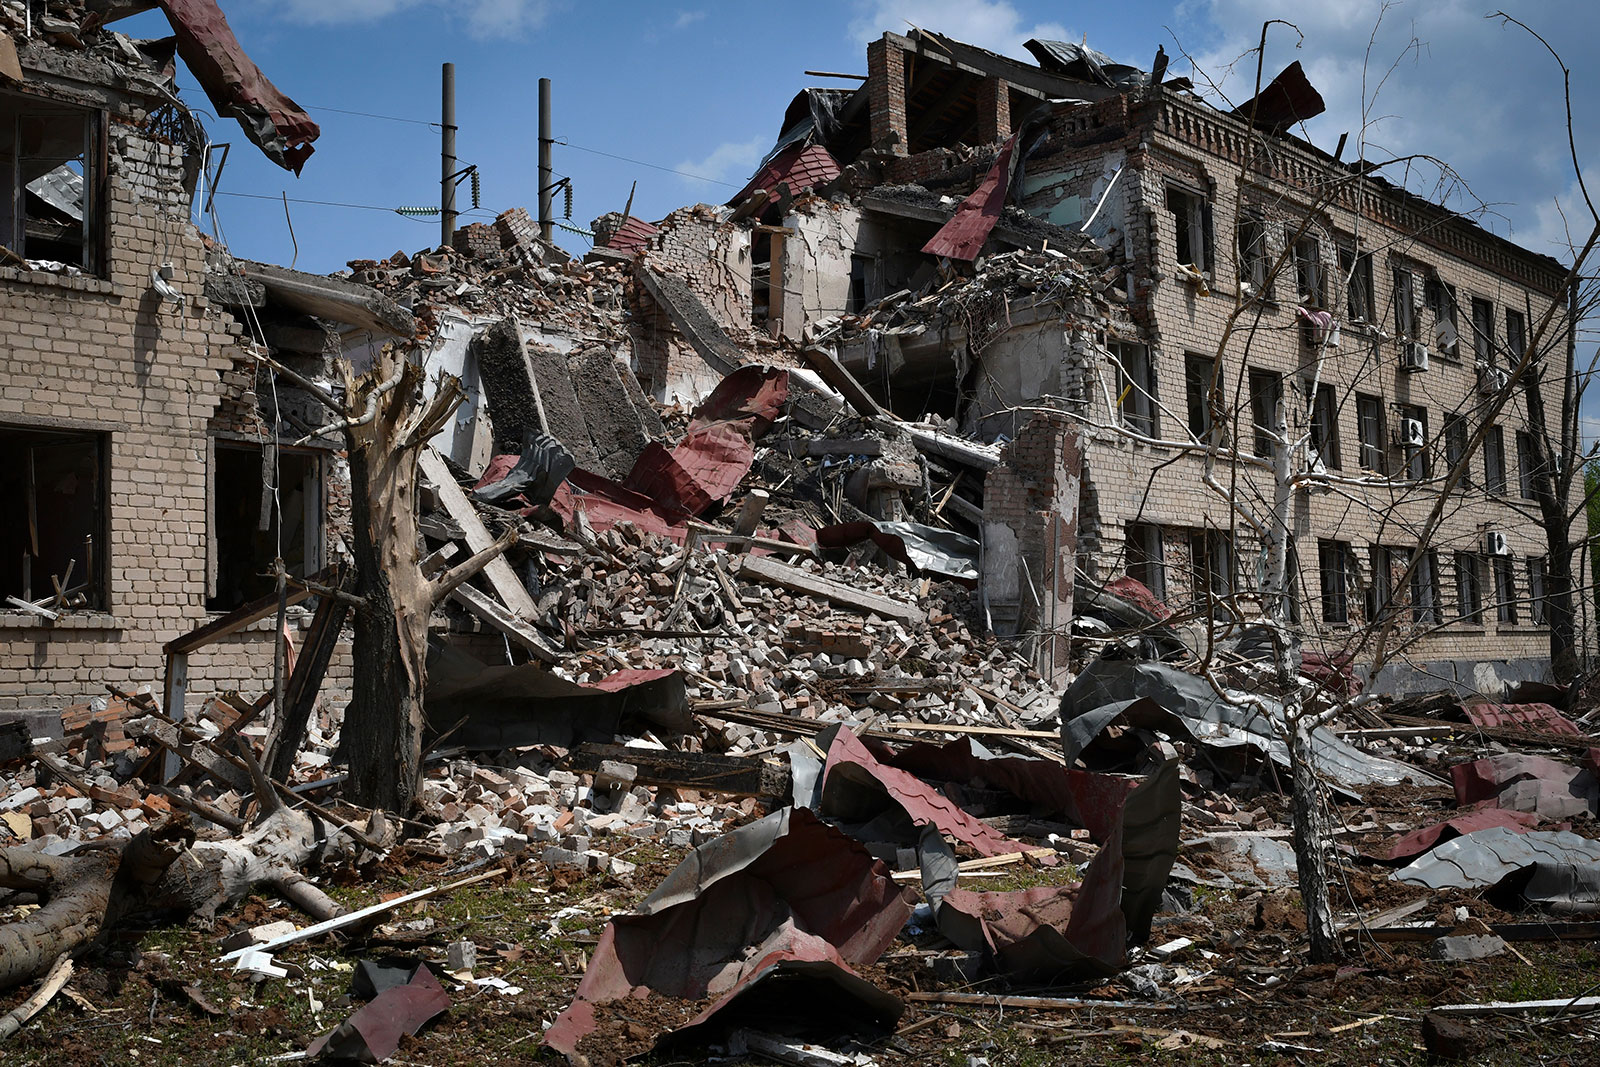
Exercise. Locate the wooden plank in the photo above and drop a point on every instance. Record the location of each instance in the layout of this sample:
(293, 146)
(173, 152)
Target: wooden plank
(1389, 917)
(236, 620)
(177, 687)
(830, 370)
(996, 1001)
(300, 695)
(499, 574)
(480, 605)
(352, 918)
(763, 569)
(956, 728)
(1541, 931)
(1560, 1005)
(740, 776)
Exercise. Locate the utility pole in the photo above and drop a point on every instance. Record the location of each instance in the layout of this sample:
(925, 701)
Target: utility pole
(447, 157)
(546, 194)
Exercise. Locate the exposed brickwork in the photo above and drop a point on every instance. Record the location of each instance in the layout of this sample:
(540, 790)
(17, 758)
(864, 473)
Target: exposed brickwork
(994, 110)
(156, 379)
(477, 240)
(886, 96)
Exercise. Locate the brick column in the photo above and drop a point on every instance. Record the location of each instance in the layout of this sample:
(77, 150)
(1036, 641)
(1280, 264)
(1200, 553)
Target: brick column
(886, 88)
(1030, 539)
(994, 110)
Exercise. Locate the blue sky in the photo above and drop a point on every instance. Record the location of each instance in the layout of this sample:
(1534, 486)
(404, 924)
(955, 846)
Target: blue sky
(701, 88)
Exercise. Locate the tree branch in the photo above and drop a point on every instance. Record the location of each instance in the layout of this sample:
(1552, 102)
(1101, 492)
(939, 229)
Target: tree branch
(447, 582)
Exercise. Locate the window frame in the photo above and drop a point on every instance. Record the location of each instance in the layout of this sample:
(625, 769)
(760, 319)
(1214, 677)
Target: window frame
(1425, 606)
(1455, 448)
(97, 569)
(1370, 414)
(1197, 392)
(1525, 465)
(1494, 461)
(1255, 262)
(1150, 560)
(1504, 576)
(1336, 567)
(94, 240)
(1191, 227)
(1416, 462)
(1324, 428)
(1311, 284)
(1404, 280)
(1516, 334)
(1469, 588)
(1266, 396)
(1137, 384)
(1355, 268)
(1538, 591)
(1483, 330)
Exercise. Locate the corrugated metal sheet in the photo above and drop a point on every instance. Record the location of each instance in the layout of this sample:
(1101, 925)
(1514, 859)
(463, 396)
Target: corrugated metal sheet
(1535, 718)
(633, 235)
(963, 237)
(800, 166)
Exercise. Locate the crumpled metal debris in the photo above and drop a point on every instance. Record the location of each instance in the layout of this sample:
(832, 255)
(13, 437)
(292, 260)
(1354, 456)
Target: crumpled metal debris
(744, 910)
(1153, 696)
(1520, 782)
(925, 549)
(1487, 856)
(373, 1034)
(1419, 841)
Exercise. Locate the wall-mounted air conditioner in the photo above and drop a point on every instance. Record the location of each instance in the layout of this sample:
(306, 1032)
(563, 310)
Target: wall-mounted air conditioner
(1491, 380)
(1494, 543)
(1412, 434)
(1413, 356)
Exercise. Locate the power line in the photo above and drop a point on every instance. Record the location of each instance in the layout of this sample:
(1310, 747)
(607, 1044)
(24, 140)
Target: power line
(369, 115)
(336, 203)
(652, 166)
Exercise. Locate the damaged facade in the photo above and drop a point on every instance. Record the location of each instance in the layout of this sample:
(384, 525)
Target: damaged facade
(784, 512)
(138, 440)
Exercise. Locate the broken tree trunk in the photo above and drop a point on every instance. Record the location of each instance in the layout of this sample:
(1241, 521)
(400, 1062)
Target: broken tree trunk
(382, 733)
(161, 870)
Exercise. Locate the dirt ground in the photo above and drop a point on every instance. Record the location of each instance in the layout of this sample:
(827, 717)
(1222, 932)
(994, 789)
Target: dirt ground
(1242, 993)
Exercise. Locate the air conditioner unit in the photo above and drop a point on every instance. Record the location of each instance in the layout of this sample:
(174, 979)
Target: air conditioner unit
(1412, 435)
(1491, 380)
(1413, 356)
(1494, 543)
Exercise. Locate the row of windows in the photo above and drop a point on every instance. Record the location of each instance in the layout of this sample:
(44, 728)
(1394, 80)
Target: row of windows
(1191, 215)
(60, 480)
(1336, 566)
(1413, 445)
(1212, 576)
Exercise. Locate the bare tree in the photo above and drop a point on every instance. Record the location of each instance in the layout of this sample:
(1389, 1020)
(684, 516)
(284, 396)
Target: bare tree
(1260, 486)
(387, 420)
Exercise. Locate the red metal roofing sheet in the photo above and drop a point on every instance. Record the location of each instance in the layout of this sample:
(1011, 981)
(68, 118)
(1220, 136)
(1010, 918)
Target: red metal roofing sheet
(633, 235)
(801, 166)
(964, 235)
(1535, 718)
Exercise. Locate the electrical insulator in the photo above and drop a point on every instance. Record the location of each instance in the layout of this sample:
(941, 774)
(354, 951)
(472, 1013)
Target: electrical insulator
(417, 212)
(477, 188)
(567, 201)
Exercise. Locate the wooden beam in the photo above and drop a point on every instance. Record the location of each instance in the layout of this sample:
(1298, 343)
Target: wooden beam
(486, 609)
(502, 579)
(740, 776)
(830, 370)
(234, 621)
(760, 568)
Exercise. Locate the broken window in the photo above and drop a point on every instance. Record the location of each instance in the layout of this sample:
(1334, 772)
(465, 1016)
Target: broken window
(1537, 605)
(1381, 592)
(1291, 582)
(1469, 587)
(1197, 374)
(1482, 330)
(1369, 427)
(861, 283)
(1211, 569)
(1525, 464)
(1325, 426)
(1253, 258)
(1146, 561)
(1308, 270)
(1414, 442)
(1136, 388)
(1494, 460)
(1516, 334)
(1441, 300)
(1505, 589)
(1425, 588)
(1356, 267)
(54, 482)
(1337, 566)
(1455, 448)
(1266, 391)
(51, 156)
(245, 526)
(1191, 216)
(1405, 311)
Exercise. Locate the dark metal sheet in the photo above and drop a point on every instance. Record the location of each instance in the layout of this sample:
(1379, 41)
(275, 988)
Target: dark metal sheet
(373, 1034)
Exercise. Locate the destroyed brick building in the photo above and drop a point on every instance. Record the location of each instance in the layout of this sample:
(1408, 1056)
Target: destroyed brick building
(772, 516)
(1171, 213)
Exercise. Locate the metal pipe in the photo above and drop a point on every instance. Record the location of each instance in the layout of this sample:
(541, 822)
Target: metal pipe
(447, 157)
(546, 194)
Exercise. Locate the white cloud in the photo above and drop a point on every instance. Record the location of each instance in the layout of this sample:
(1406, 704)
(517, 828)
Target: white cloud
(687, 18)
(483, 19)
(731, 161)
(991, 24)
(1484, 98)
